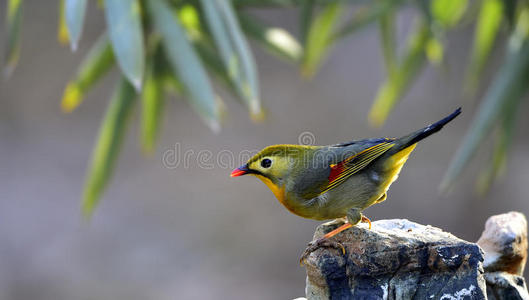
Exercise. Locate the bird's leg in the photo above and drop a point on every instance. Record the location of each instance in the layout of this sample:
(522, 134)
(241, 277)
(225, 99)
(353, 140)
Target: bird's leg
(366, 220)
(354, 216)
(334, 232)
(325, 241)
(322, 242)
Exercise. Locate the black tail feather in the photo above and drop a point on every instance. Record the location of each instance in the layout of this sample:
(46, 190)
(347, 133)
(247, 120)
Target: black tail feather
(425, 132)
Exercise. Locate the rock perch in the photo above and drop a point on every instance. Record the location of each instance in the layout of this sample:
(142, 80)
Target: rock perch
(504, 241)
(399, 259)
(396, 259)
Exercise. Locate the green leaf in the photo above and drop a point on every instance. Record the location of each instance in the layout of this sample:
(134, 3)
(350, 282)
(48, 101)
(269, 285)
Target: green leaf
(424, 7)
(62, 30)
(509, 12)
(521, 31)
(266, 3)
(502, 145)
(447, 13)
(190, 19)
(387, 35)
(108, 145)
(125, 32)
(14, 19)
(152, 103)
(508, 87)
(305, 18)
(274, 39)
(365, 16)
(222, 38)
(214, 64)
(319, 37)
(75, 11)
(250, 83)
(185, 63)
(434, 51)
(234, 51)
(398, 81)
(487, 28)
(94, 66)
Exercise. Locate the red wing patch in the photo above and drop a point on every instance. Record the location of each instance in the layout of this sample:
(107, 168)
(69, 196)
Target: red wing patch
(336, 170)
(351, 165)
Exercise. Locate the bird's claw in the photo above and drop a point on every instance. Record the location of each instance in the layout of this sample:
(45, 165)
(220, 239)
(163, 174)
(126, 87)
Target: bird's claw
(366, 220)
(321, 242)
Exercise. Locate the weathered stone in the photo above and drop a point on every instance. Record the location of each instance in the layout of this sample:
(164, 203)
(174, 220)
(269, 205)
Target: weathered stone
(396, 259)
(503, 286)
(504, 242)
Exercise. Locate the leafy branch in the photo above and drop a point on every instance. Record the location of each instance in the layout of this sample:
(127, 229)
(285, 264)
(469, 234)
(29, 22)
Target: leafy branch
(166, 47)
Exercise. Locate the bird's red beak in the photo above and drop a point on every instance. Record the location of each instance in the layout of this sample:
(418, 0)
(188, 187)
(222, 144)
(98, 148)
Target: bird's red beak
(240, 171)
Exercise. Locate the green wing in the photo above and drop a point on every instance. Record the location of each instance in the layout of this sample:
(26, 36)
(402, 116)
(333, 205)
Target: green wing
(341, 171)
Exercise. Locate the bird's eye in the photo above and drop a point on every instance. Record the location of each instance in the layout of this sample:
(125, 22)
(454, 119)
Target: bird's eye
(266, 163)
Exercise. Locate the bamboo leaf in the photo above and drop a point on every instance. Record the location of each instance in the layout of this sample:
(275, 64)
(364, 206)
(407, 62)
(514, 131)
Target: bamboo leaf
(75, 11)
(398, 82)
(250, 83)
(189, 17)
(14, 19)
(152, 103)
(509, 12)
(125, 31)
(319, 37)
(266, 3)
(508, 86)
(305, 18)
(62, 30)
(503, 143)
(447, 13)
(172, 85)
(387, 35)
(214, 64)
(94, 66)
(434, 51)
(222, 39)
(365, 16)
(487, 27)
(274, 39)
(229, 59)
(425, 9)
(108, 145)
(185, 63)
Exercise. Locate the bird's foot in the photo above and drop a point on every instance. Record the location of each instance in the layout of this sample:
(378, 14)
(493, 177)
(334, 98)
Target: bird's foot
(366, 220)
(321, 242)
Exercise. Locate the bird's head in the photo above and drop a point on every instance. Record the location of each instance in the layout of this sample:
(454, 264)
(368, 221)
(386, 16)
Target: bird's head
(273, 164)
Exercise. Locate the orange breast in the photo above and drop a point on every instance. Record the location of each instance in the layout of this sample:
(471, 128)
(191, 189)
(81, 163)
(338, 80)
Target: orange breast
(279, 192)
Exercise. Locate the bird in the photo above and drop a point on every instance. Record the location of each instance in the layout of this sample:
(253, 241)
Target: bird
(336, 181)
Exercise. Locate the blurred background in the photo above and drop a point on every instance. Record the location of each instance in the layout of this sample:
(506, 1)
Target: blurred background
(196, 233)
